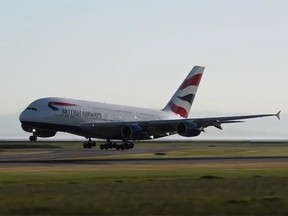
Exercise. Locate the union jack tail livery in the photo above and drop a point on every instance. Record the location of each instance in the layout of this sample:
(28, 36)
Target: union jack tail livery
(182, 100)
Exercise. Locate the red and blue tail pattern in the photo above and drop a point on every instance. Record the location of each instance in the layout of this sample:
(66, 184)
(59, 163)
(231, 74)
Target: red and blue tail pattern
(182, 100)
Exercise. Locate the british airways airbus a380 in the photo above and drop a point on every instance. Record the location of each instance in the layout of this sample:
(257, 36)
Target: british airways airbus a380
(45, 117)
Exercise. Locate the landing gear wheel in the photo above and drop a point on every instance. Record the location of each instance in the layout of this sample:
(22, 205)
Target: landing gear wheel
(102, 146)
(106, 146)
(131, 145)
(89, 144)
(122, 147)
(33, 138)
(114, 145)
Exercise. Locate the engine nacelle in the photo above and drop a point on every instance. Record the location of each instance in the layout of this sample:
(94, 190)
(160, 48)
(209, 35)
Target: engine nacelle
(133, 132)
(188, 129)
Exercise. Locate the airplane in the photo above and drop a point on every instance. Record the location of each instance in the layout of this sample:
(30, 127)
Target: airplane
(122, 125)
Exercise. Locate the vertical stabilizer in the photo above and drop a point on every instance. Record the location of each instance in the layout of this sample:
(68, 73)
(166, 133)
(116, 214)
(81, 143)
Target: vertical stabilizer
(182, 100)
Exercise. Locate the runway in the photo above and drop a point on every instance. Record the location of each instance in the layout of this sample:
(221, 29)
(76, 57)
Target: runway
(95, 156)
(178, 160)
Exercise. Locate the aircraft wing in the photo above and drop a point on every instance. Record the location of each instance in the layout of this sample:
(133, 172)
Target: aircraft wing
(159, 128)
(217, 121)
(206, 122)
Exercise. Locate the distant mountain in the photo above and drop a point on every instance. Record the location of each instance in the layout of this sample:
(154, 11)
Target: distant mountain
(265, 128)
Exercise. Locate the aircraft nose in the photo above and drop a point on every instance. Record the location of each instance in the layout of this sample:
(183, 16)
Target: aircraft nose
(22, 116)
(26, 115)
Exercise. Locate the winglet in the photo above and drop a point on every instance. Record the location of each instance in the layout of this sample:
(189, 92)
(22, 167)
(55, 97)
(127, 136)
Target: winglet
(278, 114)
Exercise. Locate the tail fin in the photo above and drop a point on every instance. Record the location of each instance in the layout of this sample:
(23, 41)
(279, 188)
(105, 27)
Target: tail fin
(182, 100)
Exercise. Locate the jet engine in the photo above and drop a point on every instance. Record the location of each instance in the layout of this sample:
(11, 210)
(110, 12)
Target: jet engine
(133, 132)
(188, 129)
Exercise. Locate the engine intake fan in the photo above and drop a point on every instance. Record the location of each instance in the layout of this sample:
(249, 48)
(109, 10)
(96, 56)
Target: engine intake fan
(133, 132)
(188, 129)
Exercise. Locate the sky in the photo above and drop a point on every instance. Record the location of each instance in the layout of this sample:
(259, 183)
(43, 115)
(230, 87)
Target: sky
(138, 52)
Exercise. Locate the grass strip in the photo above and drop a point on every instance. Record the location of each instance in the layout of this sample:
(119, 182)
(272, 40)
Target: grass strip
(179, 189)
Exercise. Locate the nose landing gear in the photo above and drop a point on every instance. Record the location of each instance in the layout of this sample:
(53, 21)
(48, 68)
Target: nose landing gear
(33, 138)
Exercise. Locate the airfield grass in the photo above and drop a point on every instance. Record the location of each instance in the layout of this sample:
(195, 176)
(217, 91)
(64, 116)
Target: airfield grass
(164, 189)
(256, 188)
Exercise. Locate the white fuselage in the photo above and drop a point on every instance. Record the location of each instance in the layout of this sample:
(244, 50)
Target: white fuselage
(62, 113)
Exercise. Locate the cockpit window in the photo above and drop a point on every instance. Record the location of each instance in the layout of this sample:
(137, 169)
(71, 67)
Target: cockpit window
(31, 108)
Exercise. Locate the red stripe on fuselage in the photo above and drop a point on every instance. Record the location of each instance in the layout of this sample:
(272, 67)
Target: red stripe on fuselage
(193, 81)
(178, 110)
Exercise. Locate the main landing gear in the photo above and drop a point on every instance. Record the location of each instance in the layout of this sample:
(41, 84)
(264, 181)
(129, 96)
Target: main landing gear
(89, 144)
(125, 145)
